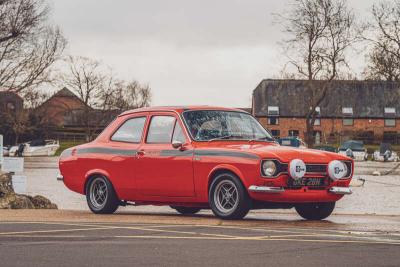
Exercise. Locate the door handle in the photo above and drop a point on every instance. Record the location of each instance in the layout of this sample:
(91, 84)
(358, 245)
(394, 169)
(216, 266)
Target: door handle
(140, 153)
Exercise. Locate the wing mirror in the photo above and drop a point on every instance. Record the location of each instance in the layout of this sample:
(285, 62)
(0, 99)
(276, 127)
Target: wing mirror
(177, 145)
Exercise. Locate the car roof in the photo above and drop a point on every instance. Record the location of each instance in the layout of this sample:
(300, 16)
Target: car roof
(178, 109)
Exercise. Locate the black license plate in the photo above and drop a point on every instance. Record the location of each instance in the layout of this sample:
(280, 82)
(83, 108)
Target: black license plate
(307, 181)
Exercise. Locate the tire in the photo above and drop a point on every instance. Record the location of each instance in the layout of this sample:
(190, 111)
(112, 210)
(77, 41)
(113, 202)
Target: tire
(237, 203)
(106, 201)
(186, 210)
(315, 211)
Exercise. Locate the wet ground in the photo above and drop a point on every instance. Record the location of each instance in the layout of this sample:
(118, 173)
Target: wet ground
(364, 231)
(379, 195)
(79, 238)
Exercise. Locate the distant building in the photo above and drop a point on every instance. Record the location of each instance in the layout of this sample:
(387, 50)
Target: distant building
(10, 102)
(364, 110)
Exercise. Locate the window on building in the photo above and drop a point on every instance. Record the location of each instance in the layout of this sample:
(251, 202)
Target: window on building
(273, 121)
(347, 111)
(318, 110)
(317, 122)
(131, 131)
(293, 132)
(273, 110)
(390, 122)
(160, 129)
(348, 122)
(276, 133)
(390, 111)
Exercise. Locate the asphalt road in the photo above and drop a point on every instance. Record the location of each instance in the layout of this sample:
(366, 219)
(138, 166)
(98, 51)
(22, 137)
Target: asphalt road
(58, 238)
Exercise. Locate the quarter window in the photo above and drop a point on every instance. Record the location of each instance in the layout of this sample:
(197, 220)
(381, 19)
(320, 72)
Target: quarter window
(131, 131)
(160, 129)
(178, 134)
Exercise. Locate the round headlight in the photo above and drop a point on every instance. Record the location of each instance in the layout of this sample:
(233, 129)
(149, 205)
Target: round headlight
(269, 168)
(337, 170)
(297, 169)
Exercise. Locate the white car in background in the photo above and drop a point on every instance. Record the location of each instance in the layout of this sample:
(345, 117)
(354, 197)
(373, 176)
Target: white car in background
(385, 153)
(354, 149)
(35, 148)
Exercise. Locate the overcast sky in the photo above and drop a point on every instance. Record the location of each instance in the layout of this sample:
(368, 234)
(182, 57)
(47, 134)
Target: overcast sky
(211, 52)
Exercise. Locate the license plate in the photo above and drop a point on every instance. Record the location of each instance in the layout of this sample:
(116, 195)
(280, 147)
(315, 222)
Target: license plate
(307, 181)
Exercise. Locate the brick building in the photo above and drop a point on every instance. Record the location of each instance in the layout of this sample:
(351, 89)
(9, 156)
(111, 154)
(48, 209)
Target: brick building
(363, 110)
(10, 102)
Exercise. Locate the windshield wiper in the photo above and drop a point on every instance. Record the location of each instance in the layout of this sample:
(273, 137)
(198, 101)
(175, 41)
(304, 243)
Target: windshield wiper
(221, 138)
(266, 138)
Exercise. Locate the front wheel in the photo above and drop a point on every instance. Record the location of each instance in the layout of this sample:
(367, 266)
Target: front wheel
(228, 198)
(186, 210)
(100, 196)
(315, 211)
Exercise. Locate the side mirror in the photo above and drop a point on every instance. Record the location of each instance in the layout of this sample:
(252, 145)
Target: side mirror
(177, 145)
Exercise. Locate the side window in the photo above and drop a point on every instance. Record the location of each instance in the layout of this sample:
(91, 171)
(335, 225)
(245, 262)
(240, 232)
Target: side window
(160, 129)
(178, 134)
(131, 131)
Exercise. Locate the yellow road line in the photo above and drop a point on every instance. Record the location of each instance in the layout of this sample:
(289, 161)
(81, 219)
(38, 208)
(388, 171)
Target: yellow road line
(53, 231)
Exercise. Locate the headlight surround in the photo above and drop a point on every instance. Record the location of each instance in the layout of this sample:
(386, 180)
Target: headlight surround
(337, 170)
(268, 168)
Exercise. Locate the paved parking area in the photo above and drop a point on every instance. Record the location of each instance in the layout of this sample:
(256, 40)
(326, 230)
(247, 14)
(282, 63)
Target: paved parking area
(166, 240)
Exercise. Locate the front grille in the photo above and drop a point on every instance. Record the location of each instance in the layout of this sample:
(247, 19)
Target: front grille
(316, 168)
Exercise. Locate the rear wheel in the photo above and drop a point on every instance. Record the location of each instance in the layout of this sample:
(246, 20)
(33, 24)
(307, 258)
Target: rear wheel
(101, 196)
(228, 198)
(186, 210)
(315, 211)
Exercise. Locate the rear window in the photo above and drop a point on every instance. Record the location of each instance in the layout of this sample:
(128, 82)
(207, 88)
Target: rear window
(131, 131)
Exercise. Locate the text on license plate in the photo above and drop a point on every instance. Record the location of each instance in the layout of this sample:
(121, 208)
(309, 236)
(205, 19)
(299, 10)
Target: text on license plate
(307, 182)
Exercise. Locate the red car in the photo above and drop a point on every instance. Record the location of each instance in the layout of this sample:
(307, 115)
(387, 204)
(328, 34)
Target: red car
(194, 158)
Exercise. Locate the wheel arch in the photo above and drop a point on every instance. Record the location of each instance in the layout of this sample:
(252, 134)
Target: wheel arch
(224, 168)
(93, 173)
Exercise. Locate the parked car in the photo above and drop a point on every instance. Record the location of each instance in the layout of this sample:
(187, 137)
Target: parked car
(194, 158)
(292, 141)
(385, 153)
(354, 149)
(37, 147)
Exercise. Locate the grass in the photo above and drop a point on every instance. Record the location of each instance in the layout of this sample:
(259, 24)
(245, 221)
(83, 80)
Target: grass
(67, 144)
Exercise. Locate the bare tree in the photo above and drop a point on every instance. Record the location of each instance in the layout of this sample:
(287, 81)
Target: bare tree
(124, 96)
(102, 94)
(320, 33)
(384, 57)
(28, 46)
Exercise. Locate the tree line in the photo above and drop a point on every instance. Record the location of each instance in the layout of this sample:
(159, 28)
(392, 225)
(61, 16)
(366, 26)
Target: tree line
(30, 50)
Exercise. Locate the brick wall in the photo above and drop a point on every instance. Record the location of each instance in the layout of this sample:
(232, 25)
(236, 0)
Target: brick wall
(332, 128)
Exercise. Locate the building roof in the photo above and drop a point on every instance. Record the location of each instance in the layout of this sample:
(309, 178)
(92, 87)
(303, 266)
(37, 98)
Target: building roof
(65, 92)
(368, 99)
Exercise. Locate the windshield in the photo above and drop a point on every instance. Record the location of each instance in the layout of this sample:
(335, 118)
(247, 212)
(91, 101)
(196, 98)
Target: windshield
(209, 125)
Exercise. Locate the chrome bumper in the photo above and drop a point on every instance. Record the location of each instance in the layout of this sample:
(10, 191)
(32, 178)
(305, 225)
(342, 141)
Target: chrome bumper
(266, 189)
(340, 190)
(60, 177)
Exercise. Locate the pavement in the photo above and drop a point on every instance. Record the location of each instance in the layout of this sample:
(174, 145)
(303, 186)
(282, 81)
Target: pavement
(363, 231)
(79, 238)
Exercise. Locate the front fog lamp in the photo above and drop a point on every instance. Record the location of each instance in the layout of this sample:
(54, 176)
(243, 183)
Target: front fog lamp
(269, 168)
(337, 170)
(297, 169)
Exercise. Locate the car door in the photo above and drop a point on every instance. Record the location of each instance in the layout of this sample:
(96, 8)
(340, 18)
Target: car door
(164, 170)
(124, 142)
